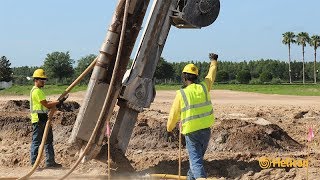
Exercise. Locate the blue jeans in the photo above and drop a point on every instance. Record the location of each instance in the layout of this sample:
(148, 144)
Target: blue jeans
(197, 143)
(37, 133)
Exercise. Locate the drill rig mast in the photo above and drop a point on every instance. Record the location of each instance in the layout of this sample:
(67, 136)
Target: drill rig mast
(137, 90)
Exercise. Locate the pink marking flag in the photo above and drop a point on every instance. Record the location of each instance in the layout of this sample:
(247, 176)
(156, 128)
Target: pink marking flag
(108, 130)
(310, 134)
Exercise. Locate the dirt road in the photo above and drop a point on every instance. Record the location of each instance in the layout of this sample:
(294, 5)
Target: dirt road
(248, 126)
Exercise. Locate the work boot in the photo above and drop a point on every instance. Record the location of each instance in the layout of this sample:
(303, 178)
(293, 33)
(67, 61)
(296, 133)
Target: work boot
(54, 165)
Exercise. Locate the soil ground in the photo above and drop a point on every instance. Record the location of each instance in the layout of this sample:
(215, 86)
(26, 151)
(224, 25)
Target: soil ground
(248, 126)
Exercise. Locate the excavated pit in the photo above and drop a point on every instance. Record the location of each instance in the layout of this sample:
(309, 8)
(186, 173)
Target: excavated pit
(16, 131)
(148, 150)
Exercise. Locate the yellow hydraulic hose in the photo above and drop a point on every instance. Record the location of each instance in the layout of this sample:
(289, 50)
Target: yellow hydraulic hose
(81, 76)
(168, 176)
(107, 99)
(179, 168)
(124, 23)
(109, 163)
(51, 113)
(171, 176)
(40, 151)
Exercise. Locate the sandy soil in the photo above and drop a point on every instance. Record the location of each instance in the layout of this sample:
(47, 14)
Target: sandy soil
(248, 126)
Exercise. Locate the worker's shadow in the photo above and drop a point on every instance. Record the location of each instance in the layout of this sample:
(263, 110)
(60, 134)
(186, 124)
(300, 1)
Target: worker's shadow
(230, 168)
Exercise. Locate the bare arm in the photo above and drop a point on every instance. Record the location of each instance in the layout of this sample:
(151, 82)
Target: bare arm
(50, 104)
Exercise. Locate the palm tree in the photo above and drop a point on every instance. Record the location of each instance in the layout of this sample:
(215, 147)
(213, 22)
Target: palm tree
(302, 39)
(315, 42)
(288, 39)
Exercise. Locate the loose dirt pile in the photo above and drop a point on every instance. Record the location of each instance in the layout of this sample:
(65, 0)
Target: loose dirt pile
(237, 135)
(24, 106)
(232, 135)
(17, 105)
(16, 130)
(149, 132)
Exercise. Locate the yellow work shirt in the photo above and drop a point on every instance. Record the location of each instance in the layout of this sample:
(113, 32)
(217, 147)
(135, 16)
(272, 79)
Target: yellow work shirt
(36, 96)
(175, 111)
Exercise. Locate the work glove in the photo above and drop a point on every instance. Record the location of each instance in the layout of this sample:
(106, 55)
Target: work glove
(63, 98)
(213, 57)
(169, 136)
(61, 101)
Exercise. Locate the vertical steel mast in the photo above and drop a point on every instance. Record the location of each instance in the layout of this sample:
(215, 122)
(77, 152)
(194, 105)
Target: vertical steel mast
(136, 91)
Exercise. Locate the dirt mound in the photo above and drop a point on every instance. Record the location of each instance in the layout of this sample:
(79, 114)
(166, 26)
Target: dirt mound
(16, 132)
(237, 141)
(236, 135)
(24, 105)
(13, 125)
(148, 135)
(227, 135)
(64, 118)
(149, 132)
(69, 106)
(17, 105)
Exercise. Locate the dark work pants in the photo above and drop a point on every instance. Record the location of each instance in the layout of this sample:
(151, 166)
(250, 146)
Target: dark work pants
(38, 130)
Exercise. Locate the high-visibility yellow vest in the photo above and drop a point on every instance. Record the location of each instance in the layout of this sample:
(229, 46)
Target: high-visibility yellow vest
(196, 108)
(36, 95)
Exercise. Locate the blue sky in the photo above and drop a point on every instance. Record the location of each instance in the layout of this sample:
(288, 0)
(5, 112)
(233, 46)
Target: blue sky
(244, 30)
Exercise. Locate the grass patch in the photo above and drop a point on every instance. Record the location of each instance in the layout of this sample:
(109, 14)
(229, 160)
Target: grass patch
(284, 89)
(48, 89)
(168, 87)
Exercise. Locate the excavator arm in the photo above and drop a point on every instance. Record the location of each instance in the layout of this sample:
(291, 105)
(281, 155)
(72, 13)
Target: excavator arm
(136, 90)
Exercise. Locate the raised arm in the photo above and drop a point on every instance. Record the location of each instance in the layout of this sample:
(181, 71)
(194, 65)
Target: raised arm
(211, 76)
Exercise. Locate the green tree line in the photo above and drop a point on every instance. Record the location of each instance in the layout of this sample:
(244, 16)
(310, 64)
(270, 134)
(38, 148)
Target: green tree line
(246, 72)
(61, 69)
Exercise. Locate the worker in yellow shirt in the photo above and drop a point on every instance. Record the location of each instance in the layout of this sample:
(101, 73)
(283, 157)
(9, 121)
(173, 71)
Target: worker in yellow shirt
(192, 106)
(39, 115)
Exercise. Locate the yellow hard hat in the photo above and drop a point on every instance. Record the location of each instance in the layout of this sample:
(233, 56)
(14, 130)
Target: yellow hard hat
(39, 73)
(191, 69)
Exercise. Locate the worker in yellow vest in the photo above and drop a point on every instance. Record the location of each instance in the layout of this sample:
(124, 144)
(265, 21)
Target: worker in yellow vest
(192, 106)
(39, 115)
